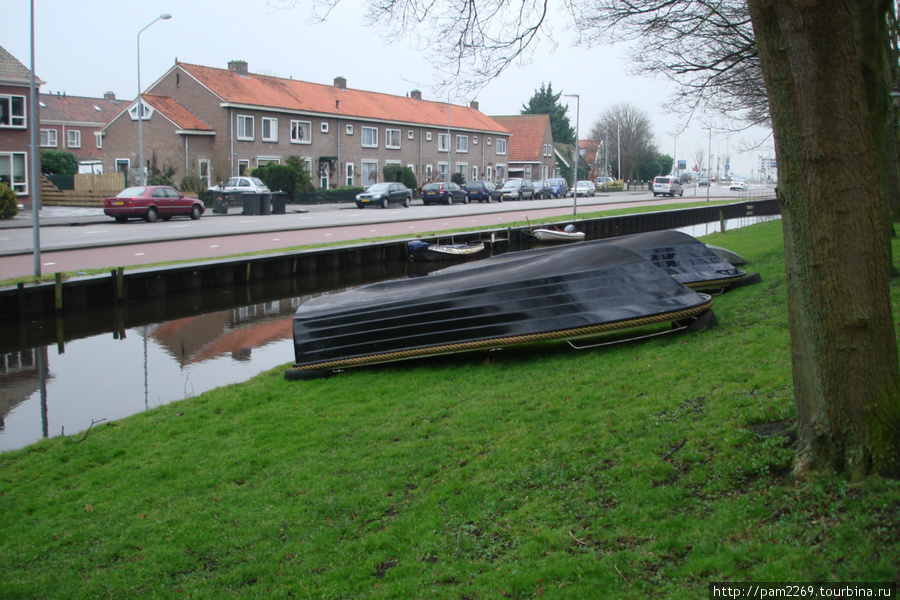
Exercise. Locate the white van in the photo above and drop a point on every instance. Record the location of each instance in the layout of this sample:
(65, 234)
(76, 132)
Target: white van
(667, 186)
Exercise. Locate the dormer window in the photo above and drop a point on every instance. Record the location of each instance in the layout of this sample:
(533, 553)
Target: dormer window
(148, 111)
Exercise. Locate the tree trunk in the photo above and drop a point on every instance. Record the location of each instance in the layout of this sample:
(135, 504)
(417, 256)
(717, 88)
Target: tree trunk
(843, 345)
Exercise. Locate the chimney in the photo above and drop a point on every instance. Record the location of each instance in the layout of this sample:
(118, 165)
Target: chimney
(110, 96)
(239, 67)
(415, 95)
(473, 104)
(340, 83)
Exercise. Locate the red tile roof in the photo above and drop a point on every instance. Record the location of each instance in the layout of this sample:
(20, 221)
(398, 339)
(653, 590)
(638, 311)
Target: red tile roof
(175, 112)
(263, 91)
(78, 109)
(527, 141)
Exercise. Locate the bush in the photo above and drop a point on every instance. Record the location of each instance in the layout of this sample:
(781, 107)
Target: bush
(408, 178)
(612, 186)
(58, 162)
(9, 206)
(458, 178)
(392, 172)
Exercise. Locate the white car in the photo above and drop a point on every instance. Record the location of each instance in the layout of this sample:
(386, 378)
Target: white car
(737, 184)
(585, 188)
(243, 184)
(667, 186)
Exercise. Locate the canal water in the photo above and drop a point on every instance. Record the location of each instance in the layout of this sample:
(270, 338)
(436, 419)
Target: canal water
(58, 377)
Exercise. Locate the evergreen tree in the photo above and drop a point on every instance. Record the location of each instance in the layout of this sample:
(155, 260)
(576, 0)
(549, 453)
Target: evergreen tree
(545, 102)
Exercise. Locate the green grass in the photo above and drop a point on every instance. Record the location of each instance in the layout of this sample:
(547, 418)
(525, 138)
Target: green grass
(641, 470)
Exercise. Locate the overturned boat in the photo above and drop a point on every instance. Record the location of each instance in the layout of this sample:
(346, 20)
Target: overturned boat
(564, 293)
(685, 258)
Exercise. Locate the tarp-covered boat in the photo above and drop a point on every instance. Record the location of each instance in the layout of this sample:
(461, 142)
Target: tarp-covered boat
(545, 294)
(685, 258)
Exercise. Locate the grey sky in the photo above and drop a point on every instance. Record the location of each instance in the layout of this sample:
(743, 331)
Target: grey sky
(86, 49)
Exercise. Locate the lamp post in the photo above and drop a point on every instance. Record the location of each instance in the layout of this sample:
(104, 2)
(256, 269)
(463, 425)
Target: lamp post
(709, 164)
(575, 170)
(142, 178)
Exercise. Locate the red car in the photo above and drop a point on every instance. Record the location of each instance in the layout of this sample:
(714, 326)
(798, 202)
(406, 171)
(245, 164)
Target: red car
(150, 203)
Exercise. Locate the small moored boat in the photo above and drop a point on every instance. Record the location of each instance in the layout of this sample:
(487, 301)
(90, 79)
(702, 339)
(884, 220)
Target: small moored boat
(419, 250)
(558, 235)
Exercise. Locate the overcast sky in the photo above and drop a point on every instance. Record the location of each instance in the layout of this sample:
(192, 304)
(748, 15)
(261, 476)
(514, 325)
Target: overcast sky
(87, 49)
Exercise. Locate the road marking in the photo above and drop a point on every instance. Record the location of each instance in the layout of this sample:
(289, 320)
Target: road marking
(327, 234)
(49, 264)
(140, 254)
(214, 246)
(97, 231)
(276, 239)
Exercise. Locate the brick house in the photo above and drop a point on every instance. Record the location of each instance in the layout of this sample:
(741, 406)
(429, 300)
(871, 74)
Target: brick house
(15, 125)
(531, 150)
(214, 123)
(73, 123)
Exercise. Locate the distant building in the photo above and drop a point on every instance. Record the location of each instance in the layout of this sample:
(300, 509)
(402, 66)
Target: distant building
(531, 152)
(15, 125)
(214, 123)
(74, 123)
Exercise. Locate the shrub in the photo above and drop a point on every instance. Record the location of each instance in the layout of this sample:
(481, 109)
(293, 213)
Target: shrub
(58, 162)
(408, 178)
(392, 172)
(9, 206)
(458, 178)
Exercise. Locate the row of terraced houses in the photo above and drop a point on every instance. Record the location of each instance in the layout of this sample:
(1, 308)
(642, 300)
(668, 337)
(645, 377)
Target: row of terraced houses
(212, 123)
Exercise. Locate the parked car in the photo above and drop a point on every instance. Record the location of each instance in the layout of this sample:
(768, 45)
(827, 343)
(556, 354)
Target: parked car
(483, 191)
(443, 192)
(600, 181)
(382, 194)
(517, 189)
(243, 184)
(151, 202)
(585, 188)
(667, 186)
(559, 186)
(703, 181)
(737, 184)
(542, 189)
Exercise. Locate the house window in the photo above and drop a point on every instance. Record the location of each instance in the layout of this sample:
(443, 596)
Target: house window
(243, 166)
(369, 172)
(392, 138)
(146, 110)
(12, 111)
(262, 161)
(269, 129)
(307, 165)
(301, 132)
(48, 138)
(488, 141)
(428, 136)
(205, 172)
(443, 142)
(462, 143)
(12, 171)
(443, 171)
(369, 138)
(501, 146)
(462, 168)
(323, 127)
(349, 129)
(410, 135)
(74, 138)
(429, 172)
(99, 137)
(474, 173)
(527, 170)
(350, 172)
(245, 127)
(475, 139)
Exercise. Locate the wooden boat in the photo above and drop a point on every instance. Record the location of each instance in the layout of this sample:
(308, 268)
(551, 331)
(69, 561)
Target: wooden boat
(685, 258)
(559, 293)
(419, 250)
(558, 235)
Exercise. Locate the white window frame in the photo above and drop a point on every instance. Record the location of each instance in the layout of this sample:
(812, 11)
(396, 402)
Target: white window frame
(443, 171)
(429, 172)
(501, 146)
(51, 137)
(410, 134)
(7, 160)
(245, 163)
(272, 124)
(323, 127)
(349, 129)
(428, 136)
(392, 139)
(488, 141)
(17, 115)
(462, 144)
(367, 136)
(475, 140)
(298, 126)
(349, 173)
(204, 166)
(147, 110)
(73, 138)
(262, 161)
(245, 128)
(474, 173)
(99, 136)
(462, 168)
(368, 166)
(443, 142)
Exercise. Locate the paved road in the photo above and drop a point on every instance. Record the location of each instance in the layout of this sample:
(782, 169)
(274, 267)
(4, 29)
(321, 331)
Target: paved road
(77, 239)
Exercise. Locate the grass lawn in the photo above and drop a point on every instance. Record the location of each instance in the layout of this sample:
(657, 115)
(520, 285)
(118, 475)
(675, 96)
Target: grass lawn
(641, 470)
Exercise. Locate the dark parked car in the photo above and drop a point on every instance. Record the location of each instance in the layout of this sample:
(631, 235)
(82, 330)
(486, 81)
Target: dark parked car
(443, 192)
(542, 189)
(382, 194)
(483, 191)
(150, 203)
(559, 186)
(517, 189)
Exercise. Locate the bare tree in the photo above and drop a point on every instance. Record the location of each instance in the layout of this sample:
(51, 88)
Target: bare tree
(630, 136)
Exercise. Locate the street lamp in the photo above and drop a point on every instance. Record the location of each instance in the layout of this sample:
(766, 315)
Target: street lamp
(575, 170)
(142, 178)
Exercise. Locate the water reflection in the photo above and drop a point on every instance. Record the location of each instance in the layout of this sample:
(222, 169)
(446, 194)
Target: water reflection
(58, 375)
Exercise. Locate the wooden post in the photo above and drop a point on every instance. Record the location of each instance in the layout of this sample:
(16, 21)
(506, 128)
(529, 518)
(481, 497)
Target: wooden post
(58, 291)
